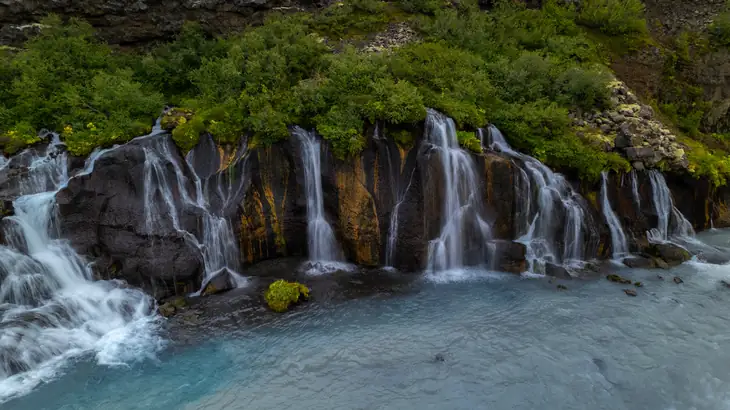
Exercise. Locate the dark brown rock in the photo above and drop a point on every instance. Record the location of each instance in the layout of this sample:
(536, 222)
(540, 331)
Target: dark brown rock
(630, 292)
(638, 262)
(557, 271)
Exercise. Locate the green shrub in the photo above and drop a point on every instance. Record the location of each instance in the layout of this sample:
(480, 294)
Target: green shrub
(423, 6)
(720, 29)
(348, 18)
(450, 80)
(614, 17)
(469, 140)
(282, 294)
(585, 88)
(66, 79)
(22, 135)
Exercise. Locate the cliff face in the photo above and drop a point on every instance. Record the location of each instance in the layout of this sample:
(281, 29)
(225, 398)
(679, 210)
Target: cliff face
(136, 216)
(134, 21)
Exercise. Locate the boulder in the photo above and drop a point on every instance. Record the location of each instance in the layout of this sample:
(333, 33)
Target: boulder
(557, 271)
(670, 253)
(618, 279)
(103, 214)
(638, 262)
(510, 256)
(630, 292)
(634, 153)
(222, 281)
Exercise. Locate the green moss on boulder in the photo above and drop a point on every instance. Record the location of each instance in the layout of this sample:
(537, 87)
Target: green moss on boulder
(282, 294)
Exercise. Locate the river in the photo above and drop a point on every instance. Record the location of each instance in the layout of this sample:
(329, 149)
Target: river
(466, 340)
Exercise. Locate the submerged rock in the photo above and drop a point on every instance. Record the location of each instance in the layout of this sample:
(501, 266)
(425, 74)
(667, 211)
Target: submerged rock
(638, 284)
(670, 253)
(618, 279)
(678, 280)
(562, 287)
(166, 310)
(557, 271)
(630, 292)
(221, 282)
(638, 262)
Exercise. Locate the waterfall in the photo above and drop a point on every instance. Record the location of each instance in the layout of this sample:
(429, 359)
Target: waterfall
(51, 309)
(167, 199)
(463, 227)
(671, 223)
(551, 212)
(393, 228)
(635, 191)
(619, 244)
(321, 242)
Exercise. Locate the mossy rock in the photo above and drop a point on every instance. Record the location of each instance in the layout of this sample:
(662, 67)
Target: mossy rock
(618, 279)
(167, 309)
(282, 294)
(174, 117)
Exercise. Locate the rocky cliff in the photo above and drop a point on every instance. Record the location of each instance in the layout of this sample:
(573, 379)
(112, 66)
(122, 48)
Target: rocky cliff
(108, 213)
(135, 21)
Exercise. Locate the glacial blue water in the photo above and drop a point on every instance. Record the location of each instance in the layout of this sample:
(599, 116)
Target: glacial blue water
(474, 340)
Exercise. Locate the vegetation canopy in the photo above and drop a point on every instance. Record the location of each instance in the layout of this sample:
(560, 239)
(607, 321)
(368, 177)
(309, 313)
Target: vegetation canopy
(521, 69)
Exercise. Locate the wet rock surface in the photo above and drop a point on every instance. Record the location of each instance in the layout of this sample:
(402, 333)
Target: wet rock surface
(224, 312)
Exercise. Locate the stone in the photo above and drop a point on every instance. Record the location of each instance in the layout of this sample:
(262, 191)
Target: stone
(638, 165)
(630, 292)
(221, 282)
(725, 283)
(102, 214)
(672, 254)
(510, 256)
(677, 280)
(638, 284)
(638, 262)
(646, 112)
(557, 271)
(562, 287)
(660, 263)
(633, 153)
(618, 279)
(166, 310)
(606, 128)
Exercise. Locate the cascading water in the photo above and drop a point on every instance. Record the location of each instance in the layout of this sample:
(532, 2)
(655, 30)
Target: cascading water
(462, 204)
(671, 223)
(50, 308)
(393, 228)
(635, 190)
(322, 245)
(619, 244)
(544, 197)
(216, 242)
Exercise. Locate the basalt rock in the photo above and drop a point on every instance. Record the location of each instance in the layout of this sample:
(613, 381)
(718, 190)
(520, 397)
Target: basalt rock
(672, 254)
(135, 21)
(103, 214)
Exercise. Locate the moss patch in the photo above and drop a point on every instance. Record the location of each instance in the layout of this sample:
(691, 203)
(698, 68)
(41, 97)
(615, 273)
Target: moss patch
(282, 294)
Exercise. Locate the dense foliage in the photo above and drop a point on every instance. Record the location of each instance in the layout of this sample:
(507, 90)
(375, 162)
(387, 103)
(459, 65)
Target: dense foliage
(519, 68)
(65, 80)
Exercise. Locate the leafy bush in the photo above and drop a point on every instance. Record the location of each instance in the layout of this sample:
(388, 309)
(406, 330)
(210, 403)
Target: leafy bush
(585, 88)
(720, 29)
(348, 18)
(614, 17)
(282, 294)
(469, 140)
(65, 80)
